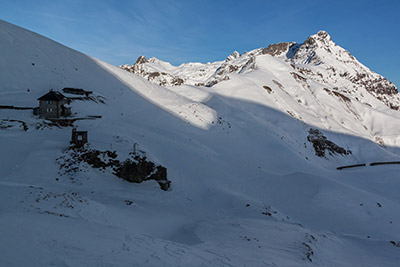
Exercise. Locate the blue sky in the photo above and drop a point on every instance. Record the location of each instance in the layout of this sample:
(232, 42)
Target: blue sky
(209, 30)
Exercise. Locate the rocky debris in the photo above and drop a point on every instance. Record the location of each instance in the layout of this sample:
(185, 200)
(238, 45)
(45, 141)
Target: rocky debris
(153, 75)
(341, 97)
(278, 84)
(396, 244)
(164, 79)
(139, 169)
(232, 68)
(247, 238)
(224, 123)
(268, 210)
(300, 79)
(100, 159)
(177, 81)
(306, 71)
(60, 204)
(380, 141)
(128, 202)
(328, 91)
(211, 83)
(269, 90)
(309, 253)
(291, 113)
(321, 143)
(134, 169)
(378, 85)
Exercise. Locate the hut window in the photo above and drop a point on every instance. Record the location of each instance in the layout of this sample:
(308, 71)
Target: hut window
(49, 110)
(48, 102)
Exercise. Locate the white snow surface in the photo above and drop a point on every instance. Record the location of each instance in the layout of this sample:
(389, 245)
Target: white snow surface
(247, 188)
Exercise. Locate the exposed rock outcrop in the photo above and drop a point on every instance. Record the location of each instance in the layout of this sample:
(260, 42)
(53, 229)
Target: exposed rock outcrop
(321, 144)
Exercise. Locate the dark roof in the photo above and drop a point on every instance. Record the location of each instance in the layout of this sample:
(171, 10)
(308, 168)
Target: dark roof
(78, 91)
(73, 89)
(52, 96)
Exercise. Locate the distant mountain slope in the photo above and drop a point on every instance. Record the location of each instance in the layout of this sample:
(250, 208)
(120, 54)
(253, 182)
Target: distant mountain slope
(318, 58)
(163, 73)
(252, 158)
(317, 78)
(41, 65)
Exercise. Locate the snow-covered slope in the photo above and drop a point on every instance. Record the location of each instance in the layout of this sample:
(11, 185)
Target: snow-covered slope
(320, 59)
(198, 74)
(317, 82)
(247, 186)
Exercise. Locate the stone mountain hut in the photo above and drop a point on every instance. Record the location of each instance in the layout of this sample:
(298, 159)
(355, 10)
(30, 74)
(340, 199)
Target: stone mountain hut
(54, 105)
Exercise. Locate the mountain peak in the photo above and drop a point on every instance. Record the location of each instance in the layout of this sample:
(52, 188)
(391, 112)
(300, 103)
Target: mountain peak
(323, 35)
(141, 60)
(321, 39)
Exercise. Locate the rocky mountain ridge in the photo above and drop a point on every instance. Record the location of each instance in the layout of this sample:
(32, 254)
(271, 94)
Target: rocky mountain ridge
(318, 58)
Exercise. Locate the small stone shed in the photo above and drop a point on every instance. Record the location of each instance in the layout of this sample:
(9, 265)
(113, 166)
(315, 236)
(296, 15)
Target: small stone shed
(54, 105)
(79, 138)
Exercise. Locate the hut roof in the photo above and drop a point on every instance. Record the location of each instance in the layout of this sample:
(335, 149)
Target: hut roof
(79, 91)
(52, 96)
(74, 89)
